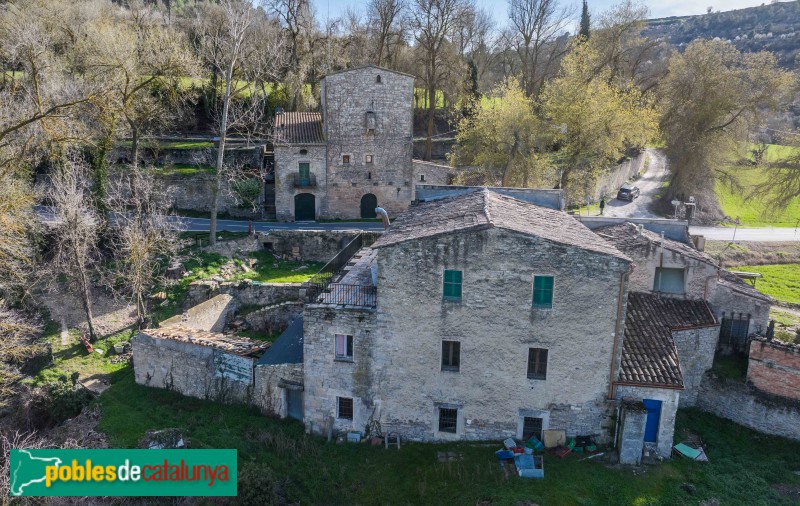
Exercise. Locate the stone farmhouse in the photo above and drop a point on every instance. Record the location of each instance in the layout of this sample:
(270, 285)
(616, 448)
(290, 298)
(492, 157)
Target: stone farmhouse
(352, 156)
(478, 316)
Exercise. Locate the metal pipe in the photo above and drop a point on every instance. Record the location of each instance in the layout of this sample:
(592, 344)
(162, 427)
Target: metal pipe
(611, 387)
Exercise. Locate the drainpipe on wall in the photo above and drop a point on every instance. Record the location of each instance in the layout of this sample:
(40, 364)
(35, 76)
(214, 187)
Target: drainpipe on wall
(612, 389)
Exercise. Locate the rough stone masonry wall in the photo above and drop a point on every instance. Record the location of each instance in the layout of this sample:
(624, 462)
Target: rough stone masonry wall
(269, 396)
(287, 166)
(496, 325)
(696, 349)
(275, 318)
(315, 246)
(608, 184)
(750, 407)
(774, 367)
(327, 378)
(193, 193)
(246, 292)
(184, 368)
(211, 315)
(669, 409)
(430, 173)
(347, 98)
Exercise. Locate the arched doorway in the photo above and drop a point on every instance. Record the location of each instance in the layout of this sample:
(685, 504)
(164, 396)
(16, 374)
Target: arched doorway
(368, 204)
(304, 207)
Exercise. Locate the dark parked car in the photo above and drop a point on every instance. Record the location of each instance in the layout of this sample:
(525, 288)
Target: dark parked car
(628, 192)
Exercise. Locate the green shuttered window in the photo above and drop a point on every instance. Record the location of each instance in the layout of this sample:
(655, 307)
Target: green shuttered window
(452, 285)
(543, 292)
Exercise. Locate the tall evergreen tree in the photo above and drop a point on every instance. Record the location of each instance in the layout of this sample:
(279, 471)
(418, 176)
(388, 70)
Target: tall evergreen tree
(585, 22)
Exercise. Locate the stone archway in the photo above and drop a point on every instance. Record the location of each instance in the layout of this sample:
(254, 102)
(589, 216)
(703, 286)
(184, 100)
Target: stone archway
(368, 204)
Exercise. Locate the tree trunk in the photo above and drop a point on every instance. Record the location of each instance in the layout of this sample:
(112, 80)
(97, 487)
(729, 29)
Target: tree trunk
(223, 132)
(134, 145)
(431, 119)
(85, 295)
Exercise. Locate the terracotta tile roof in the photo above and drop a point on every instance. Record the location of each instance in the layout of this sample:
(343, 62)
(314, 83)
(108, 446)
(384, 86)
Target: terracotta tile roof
(483, 209)
(649, 355)
(231, 344)
(627, 239)
(298, 128)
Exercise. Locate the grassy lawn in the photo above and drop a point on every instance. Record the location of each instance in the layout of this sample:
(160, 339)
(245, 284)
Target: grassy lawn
(750, 210)
(171, 144)
(754, 253)
(780, 281)
(288, 464)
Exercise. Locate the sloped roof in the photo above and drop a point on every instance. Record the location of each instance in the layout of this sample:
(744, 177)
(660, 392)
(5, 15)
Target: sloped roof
(649, 355)
(368, 66)
(232, 344)
(626, 238)
(288, 348)
(484, 209)
(298, 128)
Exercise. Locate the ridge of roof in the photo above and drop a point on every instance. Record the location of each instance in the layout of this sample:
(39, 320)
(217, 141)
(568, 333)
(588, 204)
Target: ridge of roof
(483, 208)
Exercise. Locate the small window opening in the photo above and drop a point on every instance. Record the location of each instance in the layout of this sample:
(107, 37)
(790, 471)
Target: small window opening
(422, 178)
(303, 151)
(378, 79)
(369, 175)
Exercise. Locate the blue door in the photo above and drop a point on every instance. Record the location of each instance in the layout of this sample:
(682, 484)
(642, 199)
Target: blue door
(653, 417)
(294, 401)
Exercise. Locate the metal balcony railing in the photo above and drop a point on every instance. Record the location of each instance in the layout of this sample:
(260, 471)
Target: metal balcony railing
(300, 181)
(323, 287)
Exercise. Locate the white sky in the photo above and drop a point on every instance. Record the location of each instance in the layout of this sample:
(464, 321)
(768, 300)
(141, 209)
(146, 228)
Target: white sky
(658, 8)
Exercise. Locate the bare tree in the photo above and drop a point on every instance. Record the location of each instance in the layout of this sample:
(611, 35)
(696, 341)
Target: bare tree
(433, 22)
(297, 19)
(536, 25)
(385, 20)
(238, 42)
(144, 235)
(76, 227)
(18, 344)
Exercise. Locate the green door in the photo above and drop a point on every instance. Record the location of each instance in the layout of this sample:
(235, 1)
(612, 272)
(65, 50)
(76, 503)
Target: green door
(304, 207)
(305, 171)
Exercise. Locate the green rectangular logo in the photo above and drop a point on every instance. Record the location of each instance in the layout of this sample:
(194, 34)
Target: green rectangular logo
(123, 473)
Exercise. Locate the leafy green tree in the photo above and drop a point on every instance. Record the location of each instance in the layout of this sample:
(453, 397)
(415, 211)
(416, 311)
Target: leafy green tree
(712, 98)
(505, 138)
(596, 120)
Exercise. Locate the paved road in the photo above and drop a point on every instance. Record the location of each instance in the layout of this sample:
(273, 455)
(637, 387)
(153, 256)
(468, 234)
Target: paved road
(202, 224)
(649, 185)
(747, 234)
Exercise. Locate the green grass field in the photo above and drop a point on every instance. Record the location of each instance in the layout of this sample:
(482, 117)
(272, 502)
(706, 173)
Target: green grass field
(283, 464)
(780, 281)
(751, 210)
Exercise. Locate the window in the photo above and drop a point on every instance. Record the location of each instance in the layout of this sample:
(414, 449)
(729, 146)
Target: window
(368, 158)
(422, 178)
(303, 151)
(344, 408)
(543, 292)
(537, 363)
(378, 79)
(448, 420)
(531, 427)
(345, 158)
(369, 175)
(344, 347)
(668, 280)
(304, 169)
(451, 355)
(734, 330)
(452, 285)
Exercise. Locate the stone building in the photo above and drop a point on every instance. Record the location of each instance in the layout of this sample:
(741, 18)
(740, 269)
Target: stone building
(352, 156)
(494, 318)
(676, 269)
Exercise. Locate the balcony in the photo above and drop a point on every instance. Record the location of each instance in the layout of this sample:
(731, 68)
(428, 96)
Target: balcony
(347, 279)
(300, 181)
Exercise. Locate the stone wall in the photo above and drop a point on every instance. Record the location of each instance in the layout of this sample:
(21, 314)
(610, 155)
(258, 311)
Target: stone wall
(287, 167)
(633, 418)
(316, 246)
(271, 383)
(188, 369)
(365, 116)
(750, 407)
(274, 318)
(397, 378)
(246, 293)
(696, 349)
(211, 315)
(327, 378)
(608, 184)
(774, 367)
(677, 230)
(430, 173)
(234, 155)
(670, 399)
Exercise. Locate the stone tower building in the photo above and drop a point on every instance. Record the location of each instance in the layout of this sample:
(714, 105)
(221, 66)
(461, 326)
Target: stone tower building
(353, 156)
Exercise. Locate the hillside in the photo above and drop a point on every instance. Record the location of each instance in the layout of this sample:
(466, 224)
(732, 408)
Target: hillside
(773, 27)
